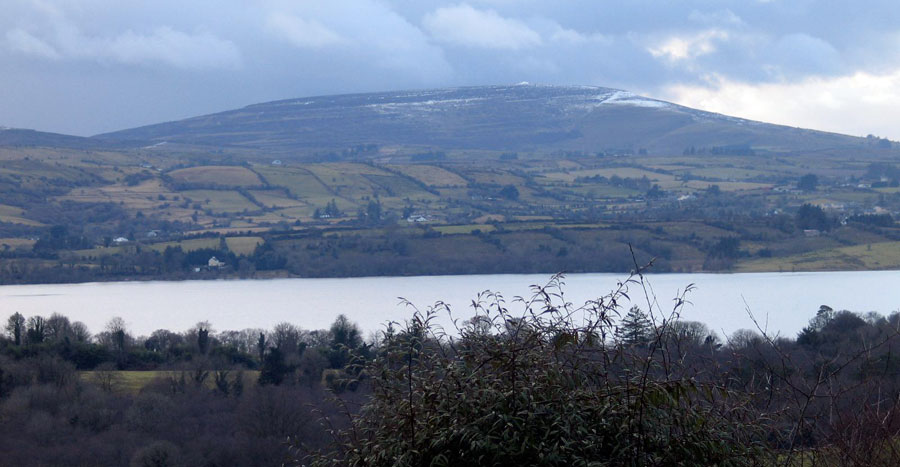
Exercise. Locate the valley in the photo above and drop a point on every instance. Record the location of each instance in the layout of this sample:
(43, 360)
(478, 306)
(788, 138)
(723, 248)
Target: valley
(458, 212)
(449, 181)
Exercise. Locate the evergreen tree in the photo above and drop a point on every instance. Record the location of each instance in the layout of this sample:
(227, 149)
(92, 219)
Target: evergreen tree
(273, 369)
(261, 346)
(635, 328)
(203, 340)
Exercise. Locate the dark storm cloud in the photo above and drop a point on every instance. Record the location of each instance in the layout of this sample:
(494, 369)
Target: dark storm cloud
(98, 65)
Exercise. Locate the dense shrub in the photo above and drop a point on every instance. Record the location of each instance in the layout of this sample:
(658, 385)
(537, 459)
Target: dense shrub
(543, 386)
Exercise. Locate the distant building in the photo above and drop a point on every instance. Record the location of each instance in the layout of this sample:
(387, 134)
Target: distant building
(120, 240)
(276, 162)
(215, 263)
(811, 232)
(153, 234)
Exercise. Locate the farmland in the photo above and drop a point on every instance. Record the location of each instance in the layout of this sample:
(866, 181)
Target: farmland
(463, 212)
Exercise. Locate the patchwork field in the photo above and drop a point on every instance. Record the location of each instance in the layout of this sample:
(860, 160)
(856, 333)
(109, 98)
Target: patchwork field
(14, 215)
(275, 199)
(148, 195)
(238, 245)
(576, 206)
(216, 175)
(300, 182)
(874, 256)
(243, 245)
(14, 243)
(220, 201)
(431, 175)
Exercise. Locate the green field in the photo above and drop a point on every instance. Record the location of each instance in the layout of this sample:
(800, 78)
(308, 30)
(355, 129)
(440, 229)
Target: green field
(275, 199)
(300, 182)
(216, 175)
(243, 245)
(15, 215)
(464, 229)
(237, 245)
(132, 382)
(874, 256)
(431, 175)
(220, 201)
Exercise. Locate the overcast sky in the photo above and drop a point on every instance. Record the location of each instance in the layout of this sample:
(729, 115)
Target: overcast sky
(89, 66)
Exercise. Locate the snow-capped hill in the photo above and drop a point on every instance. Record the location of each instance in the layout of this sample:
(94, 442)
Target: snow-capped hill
(522, 117)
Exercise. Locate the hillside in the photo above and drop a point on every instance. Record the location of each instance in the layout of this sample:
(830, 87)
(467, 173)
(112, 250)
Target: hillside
(540, 119)
(12, 137)
(475, 180)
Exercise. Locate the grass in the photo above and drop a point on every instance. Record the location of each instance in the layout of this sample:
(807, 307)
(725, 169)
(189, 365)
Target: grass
(431, 175)
(356, 181)
(726, 173)
(299, 182)
(727, 186)
(596, 190)
(216, 175)
(238, 245)
(14, 215)
(243, 245)
(623, 172)
(275, 199)
(495, 178)
(132, 382)
(400, 187)
(142, 197)
(873, 256)
(464, 229)
(220, 201)
(188, 245)
(16, 243)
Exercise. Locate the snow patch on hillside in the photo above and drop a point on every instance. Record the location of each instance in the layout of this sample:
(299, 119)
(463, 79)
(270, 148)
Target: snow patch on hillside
(431, 105)
(627, 98)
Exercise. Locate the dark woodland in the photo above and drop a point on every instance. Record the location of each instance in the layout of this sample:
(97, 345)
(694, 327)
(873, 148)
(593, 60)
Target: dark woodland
(533, 381)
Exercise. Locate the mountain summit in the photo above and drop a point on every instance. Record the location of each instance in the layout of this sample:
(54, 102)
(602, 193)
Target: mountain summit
(501, 118)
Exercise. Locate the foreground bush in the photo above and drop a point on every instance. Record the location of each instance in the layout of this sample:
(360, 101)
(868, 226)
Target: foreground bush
(545, 386)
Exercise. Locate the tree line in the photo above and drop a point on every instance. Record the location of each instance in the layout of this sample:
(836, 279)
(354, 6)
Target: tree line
(531, 381)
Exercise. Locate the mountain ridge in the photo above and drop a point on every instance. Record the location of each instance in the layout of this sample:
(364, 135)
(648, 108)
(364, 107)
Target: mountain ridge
(531, 118)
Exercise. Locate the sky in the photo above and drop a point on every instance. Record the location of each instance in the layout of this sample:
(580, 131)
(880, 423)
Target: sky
(92, 66)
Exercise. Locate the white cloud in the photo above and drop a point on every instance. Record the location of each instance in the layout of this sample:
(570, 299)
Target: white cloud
(573, 37)
(719, 17)
(680, 48)
(857, 104)
(54, 36)
(802, 54)
(467, 26)
(165, 45)
(273, 49)
(301, 32)
(357, 34)
(25, 43)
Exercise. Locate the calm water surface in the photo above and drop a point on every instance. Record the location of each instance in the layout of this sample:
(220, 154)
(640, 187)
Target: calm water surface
(783, 302)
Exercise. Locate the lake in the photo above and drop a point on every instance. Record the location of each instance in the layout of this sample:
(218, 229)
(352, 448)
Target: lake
(783, 302)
